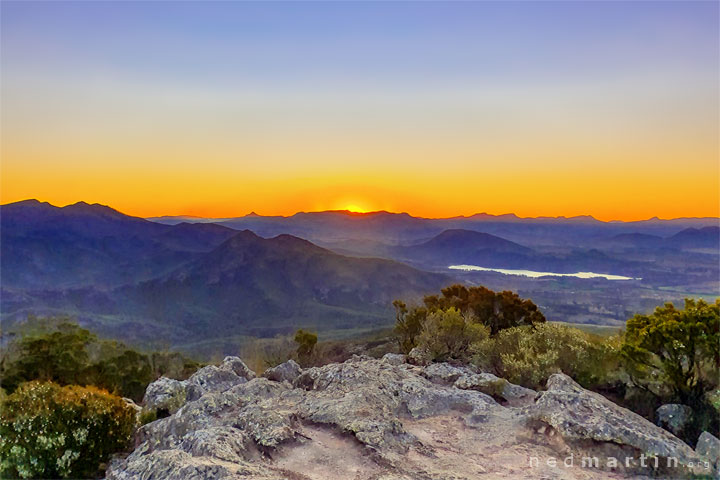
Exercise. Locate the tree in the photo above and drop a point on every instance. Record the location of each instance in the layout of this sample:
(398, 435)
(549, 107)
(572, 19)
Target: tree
(127, 373)
(497, 310)
(57, 350)
(60, 356)
(675, 351)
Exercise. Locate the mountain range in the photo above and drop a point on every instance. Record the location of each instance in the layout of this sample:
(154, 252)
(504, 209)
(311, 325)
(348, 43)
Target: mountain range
(336, 271)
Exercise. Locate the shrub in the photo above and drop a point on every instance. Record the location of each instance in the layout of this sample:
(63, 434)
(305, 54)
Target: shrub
(306, 342)
(527, 356)
(49, 431)
(449, 335)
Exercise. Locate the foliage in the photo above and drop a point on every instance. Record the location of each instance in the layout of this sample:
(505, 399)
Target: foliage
(675, 352)
(449, 335)
(496, 310)
(528, 356)
(65, 353)
(147, 416)
(60, 355)
(306, 342)
(49, 431)
(408, 324)
(674, 355)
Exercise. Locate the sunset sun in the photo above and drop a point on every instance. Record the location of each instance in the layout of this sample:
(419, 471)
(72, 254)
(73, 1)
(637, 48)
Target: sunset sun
(355, 208)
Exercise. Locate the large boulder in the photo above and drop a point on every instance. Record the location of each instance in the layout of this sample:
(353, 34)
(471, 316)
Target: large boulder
(285, 372)
(362, 398)
(674, 418)
(588, 420)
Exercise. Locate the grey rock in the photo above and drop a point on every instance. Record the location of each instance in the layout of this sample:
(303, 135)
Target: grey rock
(180, 465)
(419, 356)
(708, 448)
(238, 366)
(444, 373)
(508, 393)
(231, 372)
(393, 358)
(580, 416)
(165, 394)
(674, 418)
(285, 372)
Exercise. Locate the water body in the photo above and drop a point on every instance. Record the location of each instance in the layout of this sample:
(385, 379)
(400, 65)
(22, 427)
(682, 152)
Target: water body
(533, 274)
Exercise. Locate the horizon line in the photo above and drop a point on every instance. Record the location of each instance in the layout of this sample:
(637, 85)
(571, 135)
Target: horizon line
(368, 213)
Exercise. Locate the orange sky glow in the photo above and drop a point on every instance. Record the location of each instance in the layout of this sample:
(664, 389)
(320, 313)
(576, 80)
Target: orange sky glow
(400, 107)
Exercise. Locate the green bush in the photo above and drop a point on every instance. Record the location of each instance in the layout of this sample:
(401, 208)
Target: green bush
(529, 355)
(49, 431)
(448, 335)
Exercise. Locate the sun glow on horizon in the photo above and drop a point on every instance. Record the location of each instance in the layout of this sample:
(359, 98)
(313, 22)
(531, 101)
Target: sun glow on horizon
(354, 208)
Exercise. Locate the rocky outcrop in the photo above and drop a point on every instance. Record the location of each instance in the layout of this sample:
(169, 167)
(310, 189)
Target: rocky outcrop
(165, 395)
(370, 419)
(674, 418)
(285, 372)
(588, 420)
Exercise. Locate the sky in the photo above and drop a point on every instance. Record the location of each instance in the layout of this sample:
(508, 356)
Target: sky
(438, 109)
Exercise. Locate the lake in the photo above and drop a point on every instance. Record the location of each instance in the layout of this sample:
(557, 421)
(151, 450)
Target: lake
(533, 274)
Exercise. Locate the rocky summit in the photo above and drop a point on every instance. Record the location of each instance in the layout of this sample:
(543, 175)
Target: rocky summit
(391, 420)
